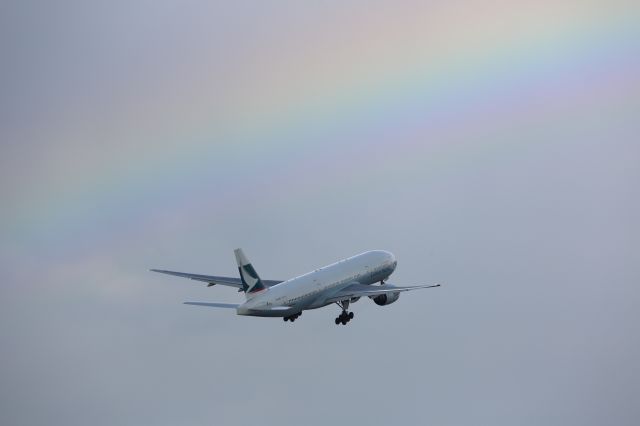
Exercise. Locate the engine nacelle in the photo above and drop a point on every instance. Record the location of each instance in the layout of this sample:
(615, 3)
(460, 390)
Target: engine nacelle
(386, 299)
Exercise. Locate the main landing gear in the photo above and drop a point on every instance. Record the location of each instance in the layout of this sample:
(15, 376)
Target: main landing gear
(345, 316)
(293, 317)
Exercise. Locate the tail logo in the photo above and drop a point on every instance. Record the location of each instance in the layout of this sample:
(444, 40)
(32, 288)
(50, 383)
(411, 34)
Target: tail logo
(251, 283)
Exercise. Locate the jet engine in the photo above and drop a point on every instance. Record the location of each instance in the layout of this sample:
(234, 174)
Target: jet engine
(386, 299)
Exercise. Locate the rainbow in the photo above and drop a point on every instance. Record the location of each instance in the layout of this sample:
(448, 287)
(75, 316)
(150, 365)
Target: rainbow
(308, 119)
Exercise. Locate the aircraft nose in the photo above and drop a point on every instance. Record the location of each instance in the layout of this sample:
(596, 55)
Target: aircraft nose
(392, 260)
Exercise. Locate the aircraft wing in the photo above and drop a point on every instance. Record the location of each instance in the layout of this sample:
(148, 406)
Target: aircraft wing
(213, 280)
(214, 305)
(360, 290)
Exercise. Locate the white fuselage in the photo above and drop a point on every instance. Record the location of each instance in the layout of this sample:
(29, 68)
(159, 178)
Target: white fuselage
(312, 290)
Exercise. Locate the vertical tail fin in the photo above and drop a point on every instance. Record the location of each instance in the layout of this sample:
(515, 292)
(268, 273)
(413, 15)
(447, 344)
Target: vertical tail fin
(251, 282)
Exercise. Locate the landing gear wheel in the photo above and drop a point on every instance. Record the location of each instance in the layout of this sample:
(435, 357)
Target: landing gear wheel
(345, 316)
(285, 319)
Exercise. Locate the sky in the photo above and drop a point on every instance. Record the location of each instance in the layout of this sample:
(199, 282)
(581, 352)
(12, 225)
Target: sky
(491, 146)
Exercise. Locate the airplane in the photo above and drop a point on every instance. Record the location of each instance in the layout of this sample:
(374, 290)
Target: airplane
(343, 283)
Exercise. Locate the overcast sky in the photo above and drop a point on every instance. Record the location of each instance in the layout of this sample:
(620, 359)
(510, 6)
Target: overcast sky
(492, 146)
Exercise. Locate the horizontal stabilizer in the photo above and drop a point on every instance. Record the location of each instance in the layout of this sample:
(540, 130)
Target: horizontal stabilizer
(214, 305)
